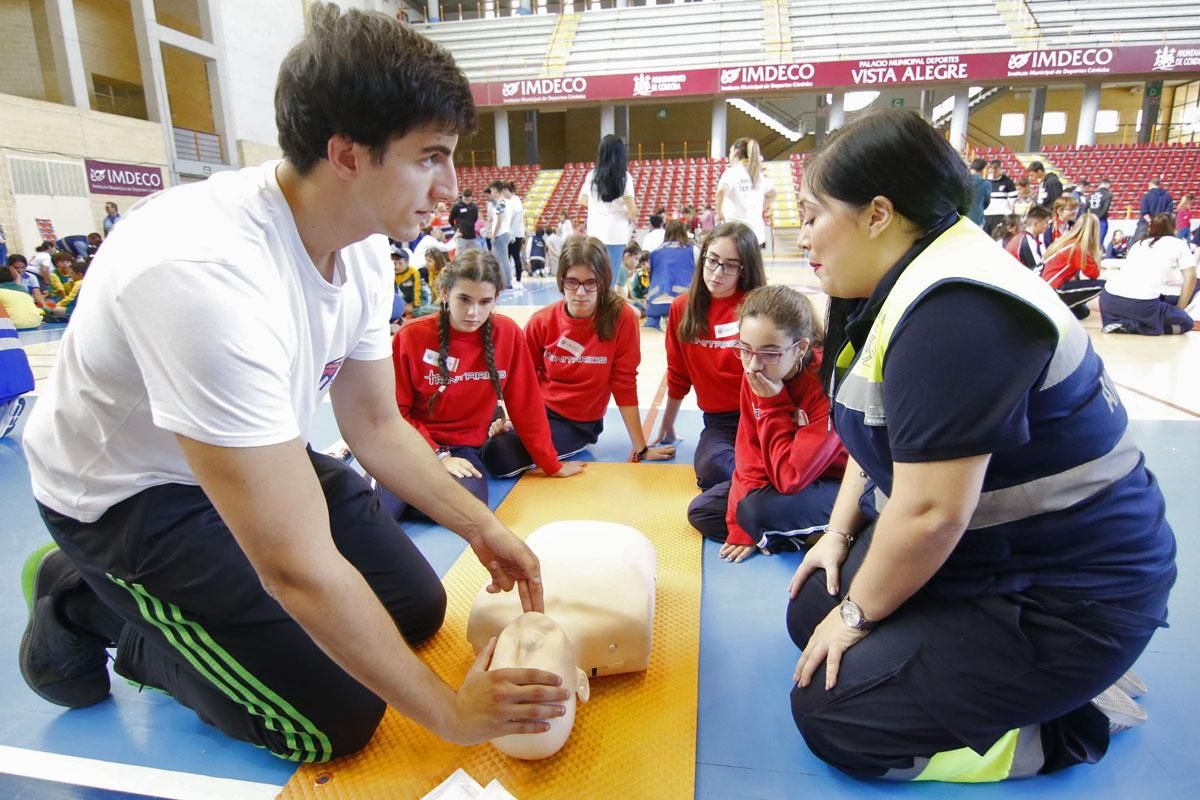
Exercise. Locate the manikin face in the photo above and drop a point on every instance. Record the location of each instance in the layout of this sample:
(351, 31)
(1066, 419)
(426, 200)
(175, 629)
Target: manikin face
(719, 284)
(401, 193)
(535, 641)
(761, 335)
(581, 303)
(840, 250)
(471, 303)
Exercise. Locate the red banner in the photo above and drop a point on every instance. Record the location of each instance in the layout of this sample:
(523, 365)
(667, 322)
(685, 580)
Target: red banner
(1081, 62)
(105, 177)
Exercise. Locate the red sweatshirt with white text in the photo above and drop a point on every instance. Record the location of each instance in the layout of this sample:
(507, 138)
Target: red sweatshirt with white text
(783, 441)
(710, 363)
(576, 371)
(464, 410)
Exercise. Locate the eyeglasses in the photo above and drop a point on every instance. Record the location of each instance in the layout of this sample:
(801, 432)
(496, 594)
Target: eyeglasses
(730, 268)
(767, 357)
(571, 285)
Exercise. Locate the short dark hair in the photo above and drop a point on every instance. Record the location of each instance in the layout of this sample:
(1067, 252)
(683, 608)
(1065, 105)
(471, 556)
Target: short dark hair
(17, 258)
(466, 193)
(1036, 166)
(62, 255)
(995, 162)
(978, 164)
(656, 220)
(632, 249)
(1038, 212)
(367, 76)
(898, 155)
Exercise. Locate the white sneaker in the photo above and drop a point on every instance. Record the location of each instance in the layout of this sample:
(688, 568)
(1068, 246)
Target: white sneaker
(1131, 684)
(1122, 711)
(1113, 327)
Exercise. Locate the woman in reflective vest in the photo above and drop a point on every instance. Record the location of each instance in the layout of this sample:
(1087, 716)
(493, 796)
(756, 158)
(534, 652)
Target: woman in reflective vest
(998, 555)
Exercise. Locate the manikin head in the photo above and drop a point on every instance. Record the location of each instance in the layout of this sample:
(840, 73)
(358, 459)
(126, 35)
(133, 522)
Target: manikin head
(536, 641)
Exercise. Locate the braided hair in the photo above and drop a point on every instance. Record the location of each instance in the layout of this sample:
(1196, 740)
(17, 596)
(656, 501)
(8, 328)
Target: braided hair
(481, 267)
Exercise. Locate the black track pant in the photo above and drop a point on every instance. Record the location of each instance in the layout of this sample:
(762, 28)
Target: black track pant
(943, 674)
(505, 456)
(199, 625)
(764, 511)
(714, 451)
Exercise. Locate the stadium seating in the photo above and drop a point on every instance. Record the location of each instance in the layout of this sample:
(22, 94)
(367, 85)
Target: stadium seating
(1130, 166)
(1012, 167)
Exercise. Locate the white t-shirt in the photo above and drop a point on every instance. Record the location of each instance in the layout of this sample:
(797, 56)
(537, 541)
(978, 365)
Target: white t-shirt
(501, 211)
(743, 202)
(424, 245)
(654, 239)
(516, 224)
(1146, 273)
(608, 222)
(38, 262)
(231, 338)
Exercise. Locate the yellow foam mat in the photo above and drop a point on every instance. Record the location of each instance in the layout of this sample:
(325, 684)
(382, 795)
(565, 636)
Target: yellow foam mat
(635, 738)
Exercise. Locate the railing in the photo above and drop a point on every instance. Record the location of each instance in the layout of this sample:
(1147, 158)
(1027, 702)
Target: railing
(199, 146)
(665, 150)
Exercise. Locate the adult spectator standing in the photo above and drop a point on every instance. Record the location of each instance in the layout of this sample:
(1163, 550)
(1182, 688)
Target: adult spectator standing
(608, 197)
(1156, 200)
(1099, 202)
(112, 217)
(279, 614)
(981, 194)
(1004, 195)
(1183, 218)
(500, 227)
(1050, 187)
(463, 215)
(516, 221)
(744, 193)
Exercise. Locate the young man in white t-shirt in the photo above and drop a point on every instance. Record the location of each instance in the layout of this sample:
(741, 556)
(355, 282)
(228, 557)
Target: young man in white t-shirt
(516, 224)
(254, 580)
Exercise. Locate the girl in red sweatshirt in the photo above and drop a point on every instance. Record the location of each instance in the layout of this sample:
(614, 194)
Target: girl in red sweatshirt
(459, 370)
(585, 349)
(702, 332)
(789, 463)
(1072, 265)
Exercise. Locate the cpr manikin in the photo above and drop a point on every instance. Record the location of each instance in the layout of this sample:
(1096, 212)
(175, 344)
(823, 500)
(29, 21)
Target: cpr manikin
(535, 641)
(599, 593)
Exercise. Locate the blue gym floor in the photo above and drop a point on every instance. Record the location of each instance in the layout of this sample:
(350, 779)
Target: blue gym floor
(747, 745)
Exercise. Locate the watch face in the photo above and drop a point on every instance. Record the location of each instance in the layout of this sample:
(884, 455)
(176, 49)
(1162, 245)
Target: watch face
(851, 615)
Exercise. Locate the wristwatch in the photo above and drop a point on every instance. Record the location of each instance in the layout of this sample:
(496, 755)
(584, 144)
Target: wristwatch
(853, 617)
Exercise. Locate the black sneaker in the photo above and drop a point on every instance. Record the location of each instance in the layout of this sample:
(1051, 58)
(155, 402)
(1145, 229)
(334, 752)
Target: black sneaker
(60, 663)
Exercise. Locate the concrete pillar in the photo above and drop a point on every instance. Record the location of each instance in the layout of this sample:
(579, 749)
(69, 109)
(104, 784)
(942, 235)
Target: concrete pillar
(219, 89)
(1033, 122)
(621, 122)
(531, 137)
(432, 12)
(503, 155)
(958, 119)
(154, 81)
(1151, 103)
(1088, 107)
(719, 116)
(837, 111)
(608, 121)
(68, 57)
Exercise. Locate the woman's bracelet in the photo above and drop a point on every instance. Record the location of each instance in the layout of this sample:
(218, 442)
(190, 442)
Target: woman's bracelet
(640, 454)
(442, 452)
(850, 538)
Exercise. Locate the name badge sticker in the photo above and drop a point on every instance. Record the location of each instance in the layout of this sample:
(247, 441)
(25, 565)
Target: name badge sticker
(431, 358)
(801, 417)
(570, 345)
(726, 330)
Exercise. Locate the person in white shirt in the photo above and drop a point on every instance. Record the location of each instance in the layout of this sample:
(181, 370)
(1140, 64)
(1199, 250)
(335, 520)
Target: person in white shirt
(656, 234)
(500, 231)
(430, 239)
(1143, 297)
(516, 246)
(251, 578)
(744, 193)
(41, 264)
(566, 228)
(608, 197)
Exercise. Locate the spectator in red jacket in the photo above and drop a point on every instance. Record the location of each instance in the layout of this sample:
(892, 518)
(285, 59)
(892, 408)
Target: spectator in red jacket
(789, 462)
(585, 349)
(462, 372)
(1072, 265)
(702, 334)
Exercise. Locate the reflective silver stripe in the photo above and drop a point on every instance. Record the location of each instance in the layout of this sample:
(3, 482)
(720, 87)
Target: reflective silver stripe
(880, 500)
(1029, 757)
(8, 343)
(6, 324)
(1059, 491)
(1067, 357)
(860, 394)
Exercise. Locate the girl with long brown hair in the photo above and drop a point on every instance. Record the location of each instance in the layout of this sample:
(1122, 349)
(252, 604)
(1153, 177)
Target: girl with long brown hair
(1076, 252)
(702, 334)
(460, 375)
(585, 349)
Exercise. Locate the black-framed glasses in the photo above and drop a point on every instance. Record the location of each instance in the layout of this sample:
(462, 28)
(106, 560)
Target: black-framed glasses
(591, 285)
(767, 357)
(730, 268)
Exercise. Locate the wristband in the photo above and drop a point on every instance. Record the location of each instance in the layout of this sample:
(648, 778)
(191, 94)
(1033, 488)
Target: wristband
(442, 452)
(640, 454)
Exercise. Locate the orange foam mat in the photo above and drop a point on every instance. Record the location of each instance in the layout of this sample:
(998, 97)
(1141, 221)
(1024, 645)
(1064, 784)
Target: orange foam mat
(635, 738)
